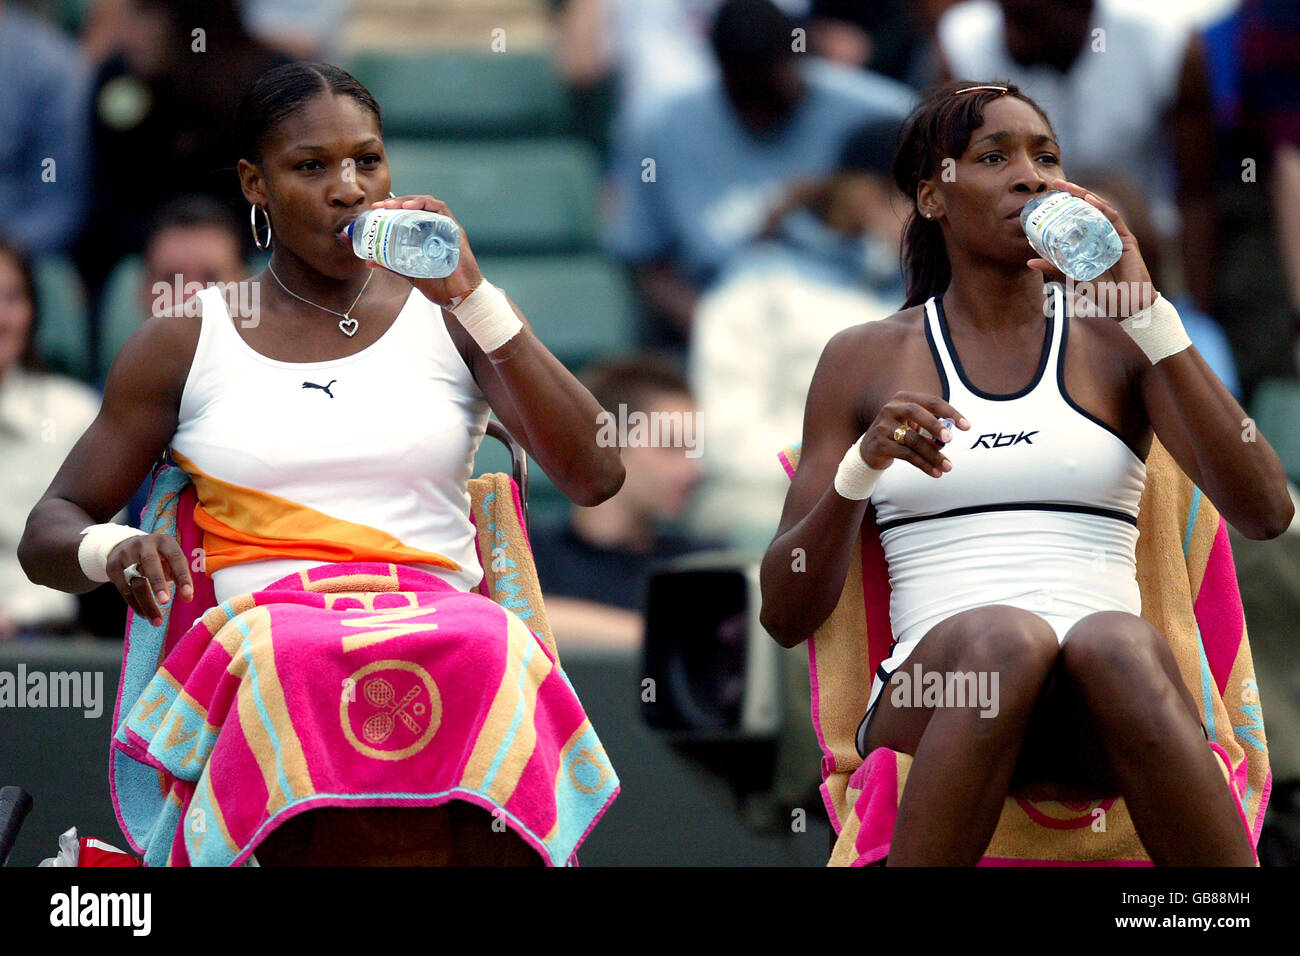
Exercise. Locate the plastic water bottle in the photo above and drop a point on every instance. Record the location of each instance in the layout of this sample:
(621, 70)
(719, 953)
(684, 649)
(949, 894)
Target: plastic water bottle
(1071, 234)
(413, 242)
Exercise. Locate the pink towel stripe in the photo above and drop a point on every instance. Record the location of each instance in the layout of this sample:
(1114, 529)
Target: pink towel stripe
(1218, 609)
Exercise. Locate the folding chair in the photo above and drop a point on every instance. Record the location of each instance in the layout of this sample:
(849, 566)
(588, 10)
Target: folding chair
(1189, 593)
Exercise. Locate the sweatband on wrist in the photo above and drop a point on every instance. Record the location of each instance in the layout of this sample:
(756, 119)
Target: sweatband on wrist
(98, 540)
(855, 479)
(1157, 330)
(487, 316)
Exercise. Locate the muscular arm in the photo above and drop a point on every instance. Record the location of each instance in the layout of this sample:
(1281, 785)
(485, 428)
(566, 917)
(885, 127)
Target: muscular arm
(816, 519)
(136, 420)
(539, 401)
(548, 411)
(819, 525)
(1213, 441)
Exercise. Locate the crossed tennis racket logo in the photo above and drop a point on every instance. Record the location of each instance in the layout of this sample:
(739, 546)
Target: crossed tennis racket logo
(380, 693)
(392, 709)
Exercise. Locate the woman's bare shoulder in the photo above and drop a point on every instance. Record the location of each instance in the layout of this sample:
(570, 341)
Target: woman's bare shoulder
(880, 333)
(158, 355)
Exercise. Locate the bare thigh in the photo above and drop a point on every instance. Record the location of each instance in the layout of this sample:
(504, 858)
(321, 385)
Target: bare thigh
(1017, 644)
(1063, 743)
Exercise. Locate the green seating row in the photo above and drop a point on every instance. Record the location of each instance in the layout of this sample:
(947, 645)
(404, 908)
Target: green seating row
(535, 195)
(457, 94)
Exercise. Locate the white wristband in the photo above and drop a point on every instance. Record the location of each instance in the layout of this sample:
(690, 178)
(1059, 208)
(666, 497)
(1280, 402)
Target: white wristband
(1157, 330)
(487, 316)
(92, 553)
(855, 479)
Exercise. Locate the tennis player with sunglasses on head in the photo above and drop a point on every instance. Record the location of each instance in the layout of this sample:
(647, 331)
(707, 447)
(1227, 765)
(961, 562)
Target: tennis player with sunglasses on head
(1011, 548)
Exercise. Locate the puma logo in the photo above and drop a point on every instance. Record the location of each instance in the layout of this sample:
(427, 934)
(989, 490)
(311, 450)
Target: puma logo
(323, 388)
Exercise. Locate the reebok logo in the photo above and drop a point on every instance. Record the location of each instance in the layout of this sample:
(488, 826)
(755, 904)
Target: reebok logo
(997, 440)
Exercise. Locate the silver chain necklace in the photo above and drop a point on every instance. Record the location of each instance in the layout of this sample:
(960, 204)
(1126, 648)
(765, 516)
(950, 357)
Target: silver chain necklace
(347, 324)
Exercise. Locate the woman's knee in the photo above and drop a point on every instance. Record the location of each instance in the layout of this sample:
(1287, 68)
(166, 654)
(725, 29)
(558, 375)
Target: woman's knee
(1115, 647)
(1011, 641)
(1123, 667)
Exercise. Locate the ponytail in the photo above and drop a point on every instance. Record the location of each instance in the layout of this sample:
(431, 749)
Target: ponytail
(925, 260)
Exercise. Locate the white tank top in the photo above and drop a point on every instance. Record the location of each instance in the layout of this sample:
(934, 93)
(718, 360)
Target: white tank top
(367, 455)
(1039, 510)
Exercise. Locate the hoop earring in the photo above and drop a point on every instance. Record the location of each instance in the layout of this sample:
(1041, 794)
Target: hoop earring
(252, 221)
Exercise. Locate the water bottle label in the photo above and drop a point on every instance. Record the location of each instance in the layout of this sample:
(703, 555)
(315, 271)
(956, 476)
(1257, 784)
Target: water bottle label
(1041, 219)
(374, 235)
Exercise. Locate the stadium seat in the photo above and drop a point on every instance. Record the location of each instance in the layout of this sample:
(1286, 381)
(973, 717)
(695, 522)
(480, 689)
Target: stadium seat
(580, 306)
(63, 335)
(459, 94)
(1275, 408)
(526, 196)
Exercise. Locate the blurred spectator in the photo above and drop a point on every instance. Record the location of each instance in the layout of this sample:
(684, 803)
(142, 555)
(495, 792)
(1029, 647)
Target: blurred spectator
(163, 105)
(1270, 103)
(644, 52)
(43, 141)
(1125, 91)
(193, 242)
(1205, 333)
(593, 568)
(831, 261)
(301, 29)
(891, 37)
(696, 182)
(42, 416)
(1254, 65)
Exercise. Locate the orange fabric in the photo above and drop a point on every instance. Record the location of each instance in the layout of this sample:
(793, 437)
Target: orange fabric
(244, 524)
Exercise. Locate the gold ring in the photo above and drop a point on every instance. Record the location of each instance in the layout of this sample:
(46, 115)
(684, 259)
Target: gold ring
(900, 433)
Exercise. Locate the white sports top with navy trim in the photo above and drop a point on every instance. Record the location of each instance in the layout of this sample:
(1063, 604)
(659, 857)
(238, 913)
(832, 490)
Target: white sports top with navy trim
(1039, 510)
(298, 464)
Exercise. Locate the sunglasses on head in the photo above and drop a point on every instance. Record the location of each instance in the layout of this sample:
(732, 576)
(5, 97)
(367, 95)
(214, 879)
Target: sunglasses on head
(975, 89)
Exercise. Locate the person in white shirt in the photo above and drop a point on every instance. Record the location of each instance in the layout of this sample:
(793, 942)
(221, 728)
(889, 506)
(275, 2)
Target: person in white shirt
(41, 417)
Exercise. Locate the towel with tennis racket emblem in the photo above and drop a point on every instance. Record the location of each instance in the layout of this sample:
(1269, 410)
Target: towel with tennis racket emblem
(352, 684)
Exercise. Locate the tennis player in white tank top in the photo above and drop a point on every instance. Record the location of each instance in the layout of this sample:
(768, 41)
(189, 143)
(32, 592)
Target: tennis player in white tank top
(1039, 512)
(1011, 550)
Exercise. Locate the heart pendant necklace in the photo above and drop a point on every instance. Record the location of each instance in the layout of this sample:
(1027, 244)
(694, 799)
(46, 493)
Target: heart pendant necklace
(347, 324)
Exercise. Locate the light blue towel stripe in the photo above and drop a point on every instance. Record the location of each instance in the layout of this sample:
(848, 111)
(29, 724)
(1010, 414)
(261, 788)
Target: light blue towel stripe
(1207, 679)
(514, 723)
(1192, 511)
(281, 777)
(1208, 689)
